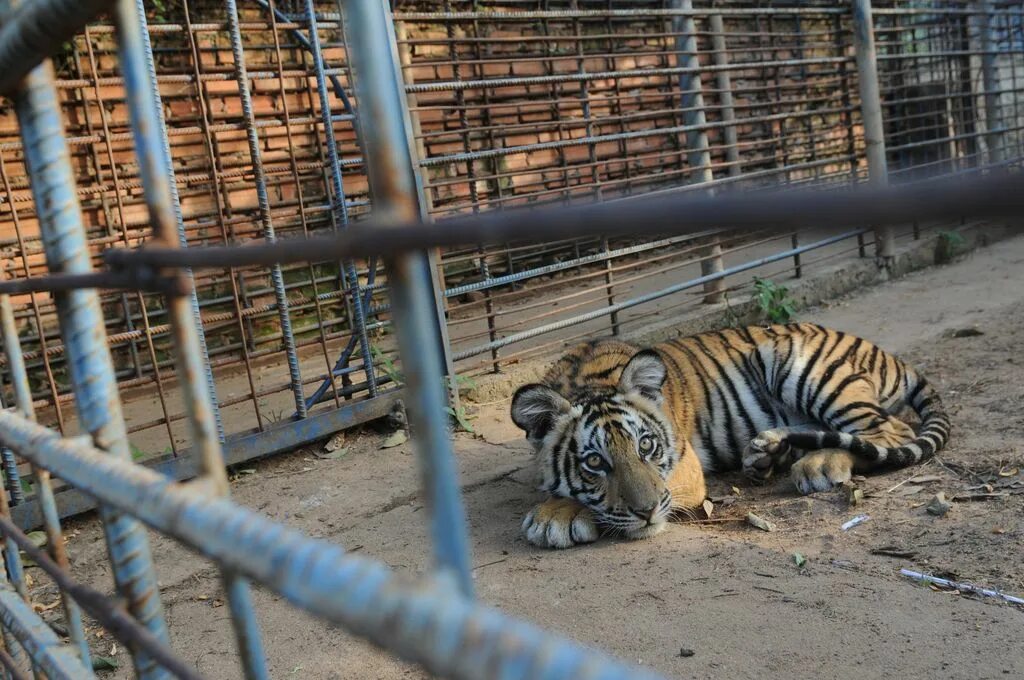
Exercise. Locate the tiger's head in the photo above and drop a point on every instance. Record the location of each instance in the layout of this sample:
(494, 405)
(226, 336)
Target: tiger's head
(612, 449)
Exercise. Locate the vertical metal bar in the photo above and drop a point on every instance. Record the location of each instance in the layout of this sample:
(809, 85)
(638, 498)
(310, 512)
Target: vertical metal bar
(720, 54)
(81, 322)
(426, 204)
(44, 489)
(871, 112)
(990, 82)
(798, 270)
(330, 382)
(260, 179)
(220, 197)
(115, 174)
(691, 101)
(396, 187)
(36, 312)
(340, 210)
(12, 478)
(14, 570)
(155, 169)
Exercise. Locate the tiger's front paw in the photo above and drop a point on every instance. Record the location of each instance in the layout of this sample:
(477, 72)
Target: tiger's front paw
(764, 454)
(560, 523)
(822, 470)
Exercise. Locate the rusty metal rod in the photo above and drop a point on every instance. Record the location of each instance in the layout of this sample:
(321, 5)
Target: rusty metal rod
(32, 31)
(105, 610)
(999, 195)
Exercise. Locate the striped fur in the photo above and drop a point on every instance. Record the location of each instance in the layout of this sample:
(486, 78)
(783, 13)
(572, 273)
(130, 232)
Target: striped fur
(762, 399)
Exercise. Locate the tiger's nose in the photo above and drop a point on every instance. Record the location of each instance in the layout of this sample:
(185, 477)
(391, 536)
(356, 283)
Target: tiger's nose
(646, 514)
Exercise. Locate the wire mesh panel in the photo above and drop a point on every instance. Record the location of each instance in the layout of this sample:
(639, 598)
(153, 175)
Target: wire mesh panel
(248, 104)
(515, 104)
(950, 84)
(528, 104)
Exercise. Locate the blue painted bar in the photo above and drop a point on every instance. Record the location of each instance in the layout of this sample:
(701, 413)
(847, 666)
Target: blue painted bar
(48, 654)
(339, 210)
(431, 623)
(44, 489)
(238, 449)
(194, 375)
(166, 176)
(35, 30)
(397, 189)
(82, 329)
(266, 222)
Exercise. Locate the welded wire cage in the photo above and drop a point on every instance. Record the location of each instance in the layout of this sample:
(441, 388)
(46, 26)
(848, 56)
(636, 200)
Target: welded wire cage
(512, 104)
(199, 124)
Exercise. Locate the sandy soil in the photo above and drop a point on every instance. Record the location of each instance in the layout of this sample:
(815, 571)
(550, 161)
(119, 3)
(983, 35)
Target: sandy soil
(728, 592)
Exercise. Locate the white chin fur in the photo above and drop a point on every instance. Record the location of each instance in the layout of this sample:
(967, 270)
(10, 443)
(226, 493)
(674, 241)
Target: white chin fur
(647, 531)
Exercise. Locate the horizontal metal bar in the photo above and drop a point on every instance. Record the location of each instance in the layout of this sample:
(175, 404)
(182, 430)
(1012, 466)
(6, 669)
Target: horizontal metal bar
(102, 608)
(33, 31)
(611, 13)
(617, 137)
(649, 297)
(576, 76)
(140, 279)
(57, 660)
(429, 623)
(997, 195)
(603, 256)
(238, 449)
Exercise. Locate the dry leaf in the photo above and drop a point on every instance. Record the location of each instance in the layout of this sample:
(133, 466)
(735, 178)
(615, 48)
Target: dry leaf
(924, 479)
(709, 507)
(396, 438)
(939, 506)
(907, 491)
(335, 443)
(1002, 473)
(334, 454)
(854, 495)
(762, 524)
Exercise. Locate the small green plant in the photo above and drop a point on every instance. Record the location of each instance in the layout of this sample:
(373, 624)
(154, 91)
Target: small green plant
(386, 364)
(461, 417)
(773, 300)
(732, 319)
(137, 453)
(948, 245)
(464, 382)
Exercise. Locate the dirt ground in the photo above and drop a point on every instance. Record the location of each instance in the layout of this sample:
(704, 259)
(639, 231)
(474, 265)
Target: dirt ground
(732, 594)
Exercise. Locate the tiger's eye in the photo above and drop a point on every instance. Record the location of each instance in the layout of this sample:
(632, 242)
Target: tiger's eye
(646, 444)
(594, 461)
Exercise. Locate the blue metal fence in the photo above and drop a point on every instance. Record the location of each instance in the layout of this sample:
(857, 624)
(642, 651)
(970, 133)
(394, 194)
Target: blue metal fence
(434, 623)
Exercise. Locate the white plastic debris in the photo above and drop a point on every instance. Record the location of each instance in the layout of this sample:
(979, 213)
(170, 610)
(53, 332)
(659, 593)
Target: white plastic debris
(963, 587)
(859, 519)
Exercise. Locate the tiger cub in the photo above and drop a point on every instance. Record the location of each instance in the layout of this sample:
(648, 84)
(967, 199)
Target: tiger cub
(623, 436)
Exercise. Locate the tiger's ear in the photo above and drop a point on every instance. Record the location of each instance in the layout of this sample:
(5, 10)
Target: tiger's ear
(536, 407)
(645, 375)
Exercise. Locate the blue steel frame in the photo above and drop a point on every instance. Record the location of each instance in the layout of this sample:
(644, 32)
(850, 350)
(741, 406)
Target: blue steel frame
(435, 624)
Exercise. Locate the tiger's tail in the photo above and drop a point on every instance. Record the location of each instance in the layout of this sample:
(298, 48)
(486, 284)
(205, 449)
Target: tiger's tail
(932, 437)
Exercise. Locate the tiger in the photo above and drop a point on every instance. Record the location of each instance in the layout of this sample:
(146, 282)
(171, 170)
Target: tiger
(623, 435)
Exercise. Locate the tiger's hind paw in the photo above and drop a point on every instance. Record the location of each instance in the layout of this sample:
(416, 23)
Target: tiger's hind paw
(560, 523)
(822, 471)
(766, 452)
